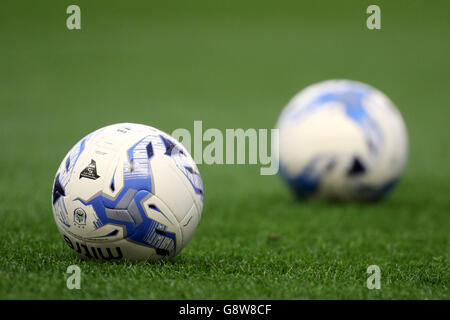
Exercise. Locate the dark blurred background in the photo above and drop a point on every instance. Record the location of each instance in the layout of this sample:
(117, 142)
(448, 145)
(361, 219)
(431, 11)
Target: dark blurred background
(229, 63)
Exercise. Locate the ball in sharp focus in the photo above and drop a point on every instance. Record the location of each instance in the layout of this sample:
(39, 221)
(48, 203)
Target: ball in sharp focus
(127, 191)
(341, 139)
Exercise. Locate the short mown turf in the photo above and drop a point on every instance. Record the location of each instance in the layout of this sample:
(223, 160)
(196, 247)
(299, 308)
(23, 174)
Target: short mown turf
(231, 65)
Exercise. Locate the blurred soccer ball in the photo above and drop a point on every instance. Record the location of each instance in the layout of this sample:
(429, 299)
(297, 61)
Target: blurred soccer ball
(341, 139)
(127, 191)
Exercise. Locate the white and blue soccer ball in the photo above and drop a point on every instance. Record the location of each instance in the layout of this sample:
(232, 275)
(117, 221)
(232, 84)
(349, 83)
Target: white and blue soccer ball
(127, 191)
(341, 139)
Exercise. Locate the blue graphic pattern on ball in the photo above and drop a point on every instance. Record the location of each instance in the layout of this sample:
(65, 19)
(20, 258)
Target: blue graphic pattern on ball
(127, 211)
(307, 181)
(352, 101)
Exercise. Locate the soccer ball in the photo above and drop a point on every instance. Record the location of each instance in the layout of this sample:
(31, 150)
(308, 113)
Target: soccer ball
(127, 191)
(341, 139)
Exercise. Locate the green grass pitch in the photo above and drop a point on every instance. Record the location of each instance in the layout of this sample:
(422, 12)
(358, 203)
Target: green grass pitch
(233, 65)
